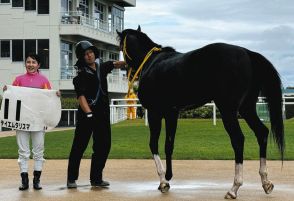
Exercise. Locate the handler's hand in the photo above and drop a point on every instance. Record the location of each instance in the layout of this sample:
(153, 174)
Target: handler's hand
(119, 64)
(4, 88)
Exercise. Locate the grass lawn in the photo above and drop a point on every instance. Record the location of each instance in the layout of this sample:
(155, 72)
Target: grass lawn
(195, 139)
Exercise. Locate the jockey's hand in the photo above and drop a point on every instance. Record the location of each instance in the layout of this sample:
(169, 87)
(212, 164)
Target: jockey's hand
(119, 64)
(4, 88)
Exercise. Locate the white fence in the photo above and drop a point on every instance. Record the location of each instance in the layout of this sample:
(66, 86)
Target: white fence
(118, 110)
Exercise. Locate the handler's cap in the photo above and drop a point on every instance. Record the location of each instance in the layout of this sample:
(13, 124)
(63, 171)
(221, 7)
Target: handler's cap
(84, 45)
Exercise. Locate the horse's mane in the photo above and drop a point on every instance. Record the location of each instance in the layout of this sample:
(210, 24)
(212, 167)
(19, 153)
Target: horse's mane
(142, 34)
(168, 49)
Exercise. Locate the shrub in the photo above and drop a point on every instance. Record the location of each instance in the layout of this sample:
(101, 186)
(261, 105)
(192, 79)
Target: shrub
(201, 112)
(69, 103)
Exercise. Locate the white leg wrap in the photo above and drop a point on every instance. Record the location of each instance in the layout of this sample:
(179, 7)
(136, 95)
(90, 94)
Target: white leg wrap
(238, 181)
(263, 170)
(160, 168)
(267, 185)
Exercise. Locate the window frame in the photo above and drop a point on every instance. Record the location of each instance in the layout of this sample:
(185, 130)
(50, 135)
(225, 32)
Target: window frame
(17, 6)
(9, 2)
(25, 6)
(1, 57)
(37, 7)
(18, 49)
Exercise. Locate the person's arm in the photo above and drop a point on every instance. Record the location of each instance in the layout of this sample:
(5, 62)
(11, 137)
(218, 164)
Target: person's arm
(80, 89)
(119, 64)
(84, 104)
(108, 66)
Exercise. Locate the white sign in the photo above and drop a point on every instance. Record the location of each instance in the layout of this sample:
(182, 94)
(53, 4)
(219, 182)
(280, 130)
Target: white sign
(30, 109)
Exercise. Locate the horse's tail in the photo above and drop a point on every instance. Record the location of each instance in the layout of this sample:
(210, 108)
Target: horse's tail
(271, 88)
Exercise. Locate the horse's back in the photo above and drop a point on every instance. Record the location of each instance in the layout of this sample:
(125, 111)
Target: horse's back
(198, 76)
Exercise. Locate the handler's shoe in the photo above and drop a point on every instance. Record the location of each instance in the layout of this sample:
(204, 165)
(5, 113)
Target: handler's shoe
(24, 181)
(100, 183)
(71, 184)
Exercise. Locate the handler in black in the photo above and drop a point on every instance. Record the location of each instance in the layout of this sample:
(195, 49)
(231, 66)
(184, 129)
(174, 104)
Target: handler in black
(93, 114)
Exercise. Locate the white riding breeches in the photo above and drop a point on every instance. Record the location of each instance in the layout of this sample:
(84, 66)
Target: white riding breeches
(23, 142)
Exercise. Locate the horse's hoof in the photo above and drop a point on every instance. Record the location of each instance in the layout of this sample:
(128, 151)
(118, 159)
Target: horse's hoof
(268, 187)
(164, 187)
(230, 195)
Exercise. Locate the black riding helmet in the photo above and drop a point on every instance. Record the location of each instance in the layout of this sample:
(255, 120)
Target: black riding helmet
(81, 48)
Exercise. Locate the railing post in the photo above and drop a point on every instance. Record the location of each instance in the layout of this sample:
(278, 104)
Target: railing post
(284, 107)
(74, 117)
(146, 117)
(68, 117)
(214, 114)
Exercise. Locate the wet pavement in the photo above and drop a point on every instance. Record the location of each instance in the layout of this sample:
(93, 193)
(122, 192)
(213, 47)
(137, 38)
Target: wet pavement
(197, 180)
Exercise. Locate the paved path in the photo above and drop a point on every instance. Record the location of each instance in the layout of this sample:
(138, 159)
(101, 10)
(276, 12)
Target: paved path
(136, 180)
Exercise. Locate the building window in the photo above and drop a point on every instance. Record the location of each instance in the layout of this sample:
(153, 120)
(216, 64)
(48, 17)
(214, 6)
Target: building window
(30, 4)
(4, 1)
(84, 7)
(101, 55)
(113, 56)
(17, 3)
(100, 16)
(67, 70)
(117, 18)
(43, 52)
(99, 11)
(43, 6)
(5, 48)
(30, 47)
(17, 50)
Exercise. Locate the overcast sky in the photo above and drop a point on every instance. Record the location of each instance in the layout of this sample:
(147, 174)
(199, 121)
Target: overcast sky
(265, 26)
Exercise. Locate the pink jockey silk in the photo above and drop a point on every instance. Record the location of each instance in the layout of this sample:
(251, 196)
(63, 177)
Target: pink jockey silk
(35, 80)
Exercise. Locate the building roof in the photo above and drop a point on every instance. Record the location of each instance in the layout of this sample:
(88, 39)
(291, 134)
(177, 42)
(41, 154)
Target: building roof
(125, 3)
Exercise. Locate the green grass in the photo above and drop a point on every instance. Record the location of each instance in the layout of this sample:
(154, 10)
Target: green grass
(195, 139)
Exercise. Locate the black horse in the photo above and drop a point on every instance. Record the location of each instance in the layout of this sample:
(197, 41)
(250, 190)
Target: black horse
(230, 76)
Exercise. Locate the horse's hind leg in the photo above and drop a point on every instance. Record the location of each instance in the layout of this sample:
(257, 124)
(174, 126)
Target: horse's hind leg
(237, 140)
(261, 132)
(154, 120)
(171, 119)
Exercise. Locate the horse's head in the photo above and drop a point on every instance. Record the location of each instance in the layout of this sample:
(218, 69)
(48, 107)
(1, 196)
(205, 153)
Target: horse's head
(135, 45)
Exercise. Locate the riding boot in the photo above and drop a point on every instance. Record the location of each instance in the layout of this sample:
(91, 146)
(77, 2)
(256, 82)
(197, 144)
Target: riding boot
(24, 181)
(36, 180)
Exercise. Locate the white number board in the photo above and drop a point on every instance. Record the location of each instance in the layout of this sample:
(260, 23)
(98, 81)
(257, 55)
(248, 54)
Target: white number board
(30, 109)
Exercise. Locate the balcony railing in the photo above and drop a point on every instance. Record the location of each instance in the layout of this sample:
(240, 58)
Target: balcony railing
(79, 18)
(116, 82)
(67, 72)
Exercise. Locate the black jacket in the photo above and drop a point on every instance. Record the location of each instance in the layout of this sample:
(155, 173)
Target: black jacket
(86, 83)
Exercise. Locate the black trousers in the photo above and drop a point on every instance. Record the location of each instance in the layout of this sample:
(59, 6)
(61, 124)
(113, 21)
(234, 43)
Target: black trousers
(99, 128)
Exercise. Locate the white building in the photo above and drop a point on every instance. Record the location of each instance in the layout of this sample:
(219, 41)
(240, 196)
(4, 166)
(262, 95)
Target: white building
(51, 28)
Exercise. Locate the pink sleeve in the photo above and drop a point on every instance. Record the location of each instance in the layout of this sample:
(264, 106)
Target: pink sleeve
(15, 82)
(47, 85)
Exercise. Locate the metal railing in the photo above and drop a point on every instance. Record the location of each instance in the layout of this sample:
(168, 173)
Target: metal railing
(118, 110)
(79, 18)
(67, 72)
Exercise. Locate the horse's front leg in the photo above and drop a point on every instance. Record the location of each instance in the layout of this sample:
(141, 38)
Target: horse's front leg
(171, 120)
(154, 119)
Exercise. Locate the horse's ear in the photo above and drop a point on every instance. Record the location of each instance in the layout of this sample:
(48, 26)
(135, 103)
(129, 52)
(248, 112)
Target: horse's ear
(139, 28)
(119, 33)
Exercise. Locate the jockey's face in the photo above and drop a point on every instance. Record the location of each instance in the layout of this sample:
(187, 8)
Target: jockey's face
(89, 57)
(32, 65)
